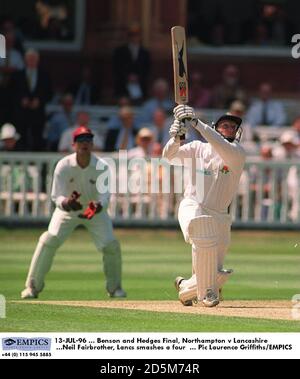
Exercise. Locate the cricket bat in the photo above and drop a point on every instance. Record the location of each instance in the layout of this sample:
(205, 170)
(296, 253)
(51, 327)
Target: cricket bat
(181, 90)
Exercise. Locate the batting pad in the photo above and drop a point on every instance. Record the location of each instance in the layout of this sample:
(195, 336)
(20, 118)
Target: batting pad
(203, 234)
(223, 276)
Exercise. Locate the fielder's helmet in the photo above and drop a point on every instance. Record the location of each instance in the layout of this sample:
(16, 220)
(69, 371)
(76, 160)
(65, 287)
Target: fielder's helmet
(230, 117)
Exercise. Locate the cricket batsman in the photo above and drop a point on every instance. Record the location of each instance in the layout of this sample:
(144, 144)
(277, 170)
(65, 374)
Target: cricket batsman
(204, 214)
(77, 202)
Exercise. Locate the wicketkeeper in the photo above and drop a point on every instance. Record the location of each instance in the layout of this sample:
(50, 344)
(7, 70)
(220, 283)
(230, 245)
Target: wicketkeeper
(204, 213)
(78, 202)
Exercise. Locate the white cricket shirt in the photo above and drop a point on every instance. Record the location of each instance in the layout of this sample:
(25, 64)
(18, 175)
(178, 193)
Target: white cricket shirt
(69, 176)
(218, 164)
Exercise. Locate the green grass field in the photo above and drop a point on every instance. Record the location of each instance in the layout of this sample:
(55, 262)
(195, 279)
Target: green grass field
(266, 264)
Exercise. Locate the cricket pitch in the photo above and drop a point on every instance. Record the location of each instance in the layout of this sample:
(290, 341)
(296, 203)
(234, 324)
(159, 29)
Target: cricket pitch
(261, 309)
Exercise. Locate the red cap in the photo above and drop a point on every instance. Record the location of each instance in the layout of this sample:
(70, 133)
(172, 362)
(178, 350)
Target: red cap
(82, 130)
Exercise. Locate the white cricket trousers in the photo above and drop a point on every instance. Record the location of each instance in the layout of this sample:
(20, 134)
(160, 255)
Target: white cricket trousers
(61, 226)
(100, 226)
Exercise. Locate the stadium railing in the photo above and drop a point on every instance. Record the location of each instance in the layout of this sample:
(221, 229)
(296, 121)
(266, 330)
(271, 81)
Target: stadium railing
(268, 195)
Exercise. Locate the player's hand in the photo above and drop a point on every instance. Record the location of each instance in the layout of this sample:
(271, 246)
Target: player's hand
(72, 203)
(184, 112)
(92, 209)
(177, 129)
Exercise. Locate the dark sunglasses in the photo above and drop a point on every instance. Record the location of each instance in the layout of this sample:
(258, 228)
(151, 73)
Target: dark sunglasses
(84, 138)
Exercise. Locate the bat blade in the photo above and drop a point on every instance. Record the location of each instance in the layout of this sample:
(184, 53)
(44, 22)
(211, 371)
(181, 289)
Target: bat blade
(181, 90)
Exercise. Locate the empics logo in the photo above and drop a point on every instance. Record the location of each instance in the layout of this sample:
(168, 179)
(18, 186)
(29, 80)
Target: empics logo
(9, 342)
(27, 344)
(2, 47)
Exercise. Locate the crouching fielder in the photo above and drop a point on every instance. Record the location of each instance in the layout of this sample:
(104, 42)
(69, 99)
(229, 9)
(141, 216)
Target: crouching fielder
(77, 203)
(204, 212)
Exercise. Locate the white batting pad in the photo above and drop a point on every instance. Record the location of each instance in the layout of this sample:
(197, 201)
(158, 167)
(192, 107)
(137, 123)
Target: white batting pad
(206, 270)
(223, 276)
(203, 234)
(223, 242)
(204, 229)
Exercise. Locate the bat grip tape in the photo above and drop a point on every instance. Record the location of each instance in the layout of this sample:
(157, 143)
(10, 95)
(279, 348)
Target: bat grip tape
(182, 138)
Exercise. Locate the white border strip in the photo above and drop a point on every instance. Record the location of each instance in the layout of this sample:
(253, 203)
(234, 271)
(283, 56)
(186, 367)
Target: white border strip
(151, 345)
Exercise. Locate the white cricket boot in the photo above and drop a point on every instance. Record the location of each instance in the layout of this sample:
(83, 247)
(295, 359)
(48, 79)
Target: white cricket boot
(177, 282)
(187, 288)
(211, 299)
(183, 293)
(29, 293)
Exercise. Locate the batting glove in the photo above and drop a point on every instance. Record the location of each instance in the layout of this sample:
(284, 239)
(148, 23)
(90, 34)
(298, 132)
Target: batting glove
(177, 129)
(92, 209)
(184, 112)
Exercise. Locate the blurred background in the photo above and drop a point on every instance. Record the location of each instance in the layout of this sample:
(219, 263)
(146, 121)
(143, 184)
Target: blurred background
(108, 65)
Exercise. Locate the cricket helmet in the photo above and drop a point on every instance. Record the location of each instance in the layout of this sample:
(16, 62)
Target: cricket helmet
(230, 117)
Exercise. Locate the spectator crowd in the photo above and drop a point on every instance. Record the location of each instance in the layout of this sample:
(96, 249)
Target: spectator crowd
(144, 113)
(247, 22)
(26, 89)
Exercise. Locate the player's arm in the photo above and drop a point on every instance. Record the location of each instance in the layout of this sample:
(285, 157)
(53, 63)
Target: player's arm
(59, 194)
(231, 153)
(173, 150)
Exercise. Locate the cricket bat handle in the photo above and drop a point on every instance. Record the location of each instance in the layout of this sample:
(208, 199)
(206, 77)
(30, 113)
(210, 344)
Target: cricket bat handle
(182, 138)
